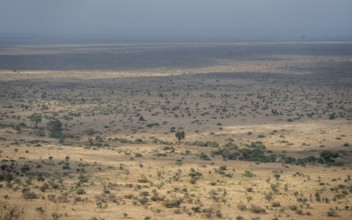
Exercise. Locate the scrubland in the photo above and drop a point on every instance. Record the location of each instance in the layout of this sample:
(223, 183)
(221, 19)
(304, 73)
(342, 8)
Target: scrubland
(88, 131)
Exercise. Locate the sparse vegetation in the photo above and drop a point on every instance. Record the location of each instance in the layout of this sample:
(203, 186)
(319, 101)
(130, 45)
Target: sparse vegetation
(74, 145)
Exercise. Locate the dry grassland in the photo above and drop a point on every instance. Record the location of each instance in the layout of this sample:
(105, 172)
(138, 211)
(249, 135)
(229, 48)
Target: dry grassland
(268, 131)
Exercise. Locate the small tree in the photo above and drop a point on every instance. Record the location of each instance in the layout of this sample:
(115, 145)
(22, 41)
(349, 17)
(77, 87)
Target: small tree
(180, 135)
(36, 118)
(55, 128)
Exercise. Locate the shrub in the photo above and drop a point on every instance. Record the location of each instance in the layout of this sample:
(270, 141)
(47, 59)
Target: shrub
(143, 180)
(332, 213)
(138, 155)
(231, 145)
(248, 173)
(203, 156)
(90, 131)
(83, 178)
(241, 206)
(328, 156)
(194, 174)
(172, 203)
(275, 204)
(256, 154)
(29, 195)
(257, 209)
(205, 144)
(80, 191)
(143, 200)
(44, 187)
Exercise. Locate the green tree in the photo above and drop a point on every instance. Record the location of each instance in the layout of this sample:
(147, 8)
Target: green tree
(180, 135)
(36, 118)
(55, 128)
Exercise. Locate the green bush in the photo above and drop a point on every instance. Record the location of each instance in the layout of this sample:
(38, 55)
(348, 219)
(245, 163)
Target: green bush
(80, 191)
(205, 144)
(203, 156)
(248, 173)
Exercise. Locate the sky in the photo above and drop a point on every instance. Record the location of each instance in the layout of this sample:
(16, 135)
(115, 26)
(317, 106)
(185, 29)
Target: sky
(180, 18)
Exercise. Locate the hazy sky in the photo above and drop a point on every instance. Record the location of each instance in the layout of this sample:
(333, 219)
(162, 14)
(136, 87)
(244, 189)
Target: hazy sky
(223, 18)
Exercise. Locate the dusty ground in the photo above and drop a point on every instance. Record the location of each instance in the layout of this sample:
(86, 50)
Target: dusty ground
(258, 117)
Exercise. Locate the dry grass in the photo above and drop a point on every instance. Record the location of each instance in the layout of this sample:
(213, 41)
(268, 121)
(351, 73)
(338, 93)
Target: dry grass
(117, 156)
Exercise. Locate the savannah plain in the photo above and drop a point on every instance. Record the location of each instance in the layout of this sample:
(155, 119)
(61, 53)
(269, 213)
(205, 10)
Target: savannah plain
(88, 131)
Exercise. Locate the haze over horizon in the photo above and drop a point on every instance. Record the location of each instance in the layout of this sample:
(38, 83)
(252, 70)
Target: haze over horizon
(193, 19)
